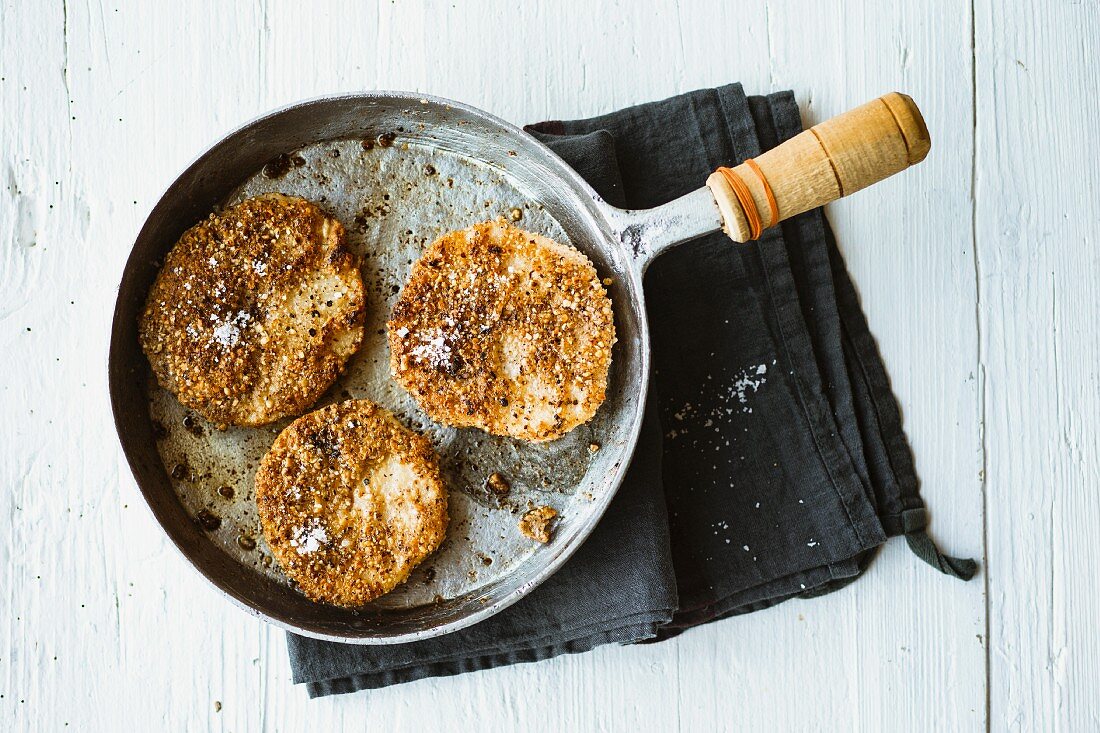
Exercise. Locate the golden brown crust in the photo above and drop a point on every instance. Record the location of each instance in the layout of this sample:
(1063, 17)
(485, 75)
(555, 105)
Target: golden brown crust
(504, 330)
(350, 502)
(255, 311)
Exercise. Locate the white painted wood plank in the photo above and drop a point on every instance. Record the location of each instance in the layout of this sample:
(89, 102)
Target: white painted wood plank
(152, 85)
(1038, 224)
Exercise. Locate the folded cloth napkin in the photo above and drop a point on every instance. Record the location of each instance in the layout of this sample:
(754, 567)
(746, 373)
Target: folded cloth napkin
(772, 462)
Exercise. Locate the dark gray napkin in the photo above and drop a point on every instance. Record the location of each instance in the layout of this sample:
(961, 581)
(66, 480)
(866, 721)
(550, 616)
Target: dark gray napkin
(772, 436)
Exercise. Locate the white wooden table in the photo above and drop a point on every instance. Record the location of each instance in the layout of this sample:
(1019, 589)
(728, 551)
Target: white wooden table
(978, 270)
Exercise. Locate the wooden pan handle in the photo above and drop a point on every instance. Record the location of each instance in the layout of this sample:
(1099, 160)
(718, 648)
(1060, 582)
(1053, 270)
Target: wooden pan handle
(830, 160)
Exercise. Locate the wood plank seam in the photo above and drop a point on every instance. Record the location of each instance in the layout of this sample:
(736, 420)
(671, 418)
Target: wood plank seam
(976, 256)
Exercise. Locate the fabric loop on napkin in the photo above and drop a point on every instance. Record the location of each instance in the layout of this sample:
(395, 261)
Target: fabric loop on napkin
(915, 526)
(772, 462)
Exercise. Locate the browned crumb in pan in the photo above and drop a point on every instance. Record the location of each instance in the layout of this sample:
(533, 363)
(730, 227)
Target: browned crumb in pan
(350, 502)
(255, 311)
(504, 330)
(535, 524)
(498, 484)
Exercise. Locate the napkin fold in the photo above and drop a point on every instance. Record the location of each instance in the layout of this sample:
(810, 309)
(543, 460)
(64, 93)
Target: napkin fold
(772, 461)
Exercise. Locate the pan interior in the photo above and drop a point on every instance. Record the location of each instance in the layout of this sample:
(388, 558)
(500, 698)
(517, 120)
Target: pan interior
(397, 173)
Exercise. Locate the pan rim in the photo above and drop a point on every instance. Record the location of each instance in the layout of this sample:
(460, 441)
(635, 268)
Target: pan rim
(597, 215)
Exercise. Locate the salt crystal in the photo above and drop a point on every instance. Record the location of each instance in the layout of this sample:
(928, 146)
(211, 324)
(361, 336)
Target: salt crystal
(228, 332)
(746, 381)
(433, 349)
(309, 539)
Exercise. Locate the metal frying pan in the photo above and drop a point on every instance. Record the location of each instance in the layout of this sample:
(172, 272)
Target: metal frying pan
(398, 170)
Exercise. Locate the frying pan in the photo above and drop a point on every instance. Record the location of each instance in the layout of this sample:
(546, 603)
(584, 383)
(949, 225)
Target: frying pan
(399, 169)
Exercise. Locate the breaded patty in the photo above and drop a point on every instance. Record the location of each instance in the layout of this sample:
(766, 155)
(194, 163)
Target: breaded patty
(255, 311)
(504, 330)
(350, 501)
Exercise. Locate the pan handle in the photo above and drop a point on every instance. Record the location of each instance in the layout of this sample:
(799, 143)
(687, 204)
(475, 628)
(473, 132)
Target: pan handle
(832, 159)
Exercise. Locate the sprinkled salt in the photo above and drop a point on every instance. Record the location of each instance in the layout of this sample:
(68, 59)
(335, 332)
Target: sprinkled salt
(309, 539)
(228, 332)
(433, 349)
(748, 379)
